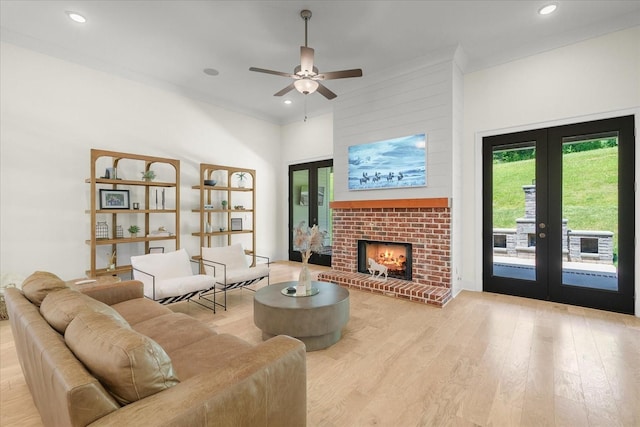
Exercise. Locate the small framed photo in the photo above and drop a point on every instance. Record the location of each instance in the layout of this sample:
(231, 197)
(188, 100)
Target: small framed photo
(236, 224)
(114, 199)
(156, 250)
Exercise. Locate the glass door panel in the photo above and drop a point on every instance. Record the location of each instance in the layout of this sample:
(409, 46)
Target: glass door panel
(514, 214)
(514, 211)
(592, 167)
(310, 192)
(590, 211)
(299, 200)
(324, 178)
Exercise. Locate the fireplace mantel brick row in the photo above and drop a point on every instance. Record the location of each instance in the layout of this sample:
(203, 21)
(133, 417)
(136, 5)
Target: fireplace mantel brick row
(426, 228)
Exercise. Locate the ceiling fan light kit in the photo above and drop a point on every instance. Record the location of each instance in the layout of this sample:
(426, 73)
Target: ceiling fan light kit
(306, 86)
(306, 76)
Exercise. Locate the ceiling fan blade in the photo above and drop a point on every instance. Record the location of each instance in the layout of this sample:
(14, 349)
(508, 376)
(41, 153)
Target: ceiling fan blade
(277, 73)
(325, 92)
(285, 90)
(306, 59)
(332, 75)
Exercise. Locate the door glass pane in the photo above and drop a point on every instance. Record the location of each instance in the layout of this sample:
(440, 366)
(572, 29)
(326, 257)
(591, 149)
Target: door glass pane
(514, 211)
(300, 198)
(325, 195)
(590, 211)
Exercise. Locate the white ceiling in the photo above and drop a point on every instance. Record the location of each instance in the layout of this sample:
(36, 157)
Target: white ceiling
(168, 43)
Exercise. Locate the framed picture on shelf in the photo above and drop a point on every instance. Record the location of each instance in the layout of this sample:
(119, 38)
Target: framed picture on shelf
(114, 199)
(236, 224)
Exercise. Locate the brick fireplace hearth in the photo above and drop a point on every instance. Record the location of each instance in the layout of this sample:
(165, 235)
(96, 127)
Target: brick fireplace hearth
(425, 223)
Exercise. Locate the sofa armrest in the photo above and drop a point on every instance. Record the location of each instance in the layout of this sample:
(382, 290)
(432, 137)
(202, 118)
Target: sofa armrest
(114, 293)
(266, 386)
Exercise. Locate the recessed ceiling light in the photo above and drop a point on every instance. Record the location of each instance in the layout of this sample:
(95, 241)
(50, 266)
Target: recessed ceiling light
(546, 10)
(211, 71)
(288, 101)
(76, 17)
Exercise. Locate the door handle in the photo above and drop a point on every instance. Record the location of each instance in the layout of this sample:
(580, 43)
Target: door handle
(542, 225)
(542, 235)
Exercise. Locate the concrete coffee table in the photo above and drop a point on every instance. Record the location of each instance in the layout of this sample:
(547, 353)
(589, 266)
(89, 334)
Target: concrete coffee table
(315, 320)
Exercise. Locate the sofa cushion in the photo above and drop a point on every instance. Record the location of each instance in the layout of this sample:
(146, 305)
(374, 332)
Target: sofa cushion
(39, 284)
(208, 354)
(140, 309)
(174, 330)
(60, 308)
(128, 364)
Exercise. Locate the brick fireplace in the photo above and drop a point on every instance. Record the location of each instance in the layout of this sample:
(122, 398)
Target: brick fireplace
(424, 223)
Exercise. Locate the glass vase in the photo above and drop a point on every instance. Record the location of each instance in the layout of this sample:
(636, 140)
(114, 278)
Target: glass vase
(304, 280)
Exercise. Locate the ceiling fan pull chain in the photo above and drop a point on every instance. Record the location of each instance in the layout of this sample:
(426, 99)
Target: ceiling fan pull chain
(305, 109)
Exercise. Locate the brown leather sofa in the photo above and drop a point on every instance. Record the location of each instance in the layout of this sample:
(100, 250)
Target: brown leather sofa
(112, 357)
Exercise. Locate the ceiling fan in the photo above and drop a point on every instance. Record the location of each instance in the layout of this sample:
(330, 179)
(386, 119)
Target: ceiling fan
(306, 76)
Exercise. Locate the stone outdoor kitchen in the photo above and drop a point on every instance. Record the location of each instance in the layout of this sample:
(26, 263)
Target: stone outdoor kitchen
(422, 223)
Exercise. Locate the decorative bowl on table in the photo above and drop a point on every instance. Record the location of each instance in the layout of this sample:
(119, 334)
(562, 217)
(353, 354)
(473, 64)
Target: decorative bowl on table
(211, 182)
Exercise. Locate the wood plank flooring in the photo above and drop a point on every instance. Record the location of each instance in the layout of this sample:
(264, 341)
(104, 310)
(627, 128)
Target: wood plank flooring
(483, 360)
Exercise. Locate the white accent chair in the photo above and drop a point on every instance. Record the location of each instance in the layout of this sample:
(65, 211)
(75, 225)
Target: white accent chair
(168, 277)
(229, 267)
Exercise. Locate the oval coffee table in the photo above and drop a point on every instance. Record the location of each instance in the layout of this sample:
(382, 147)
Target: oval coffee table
(315, 320)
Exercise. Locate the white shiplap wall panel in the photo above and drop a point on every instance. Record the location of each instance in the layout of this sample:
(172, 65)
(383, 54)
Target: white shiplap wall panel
(457, 226)
(419, 101)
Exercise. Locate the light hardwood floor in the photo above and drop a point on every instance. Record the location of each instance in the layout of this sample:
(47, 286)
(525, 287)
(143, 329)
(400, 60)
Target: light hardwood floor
(483, 360)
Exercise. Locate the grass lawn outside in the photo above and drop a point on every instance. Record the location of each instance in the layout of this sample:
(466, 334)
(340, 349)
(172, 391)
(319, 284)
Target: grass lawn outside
(589, 190)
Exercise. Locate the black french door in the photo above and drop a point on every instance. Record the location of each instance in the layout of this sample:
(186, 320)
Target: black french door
(310, 191)
(558, 214)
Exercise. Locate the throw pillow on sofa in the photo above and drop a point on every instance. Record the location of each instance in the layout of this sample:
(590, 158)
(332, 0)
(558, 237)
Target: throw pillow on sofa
(129, 365)
(39, 284)
(60, 308)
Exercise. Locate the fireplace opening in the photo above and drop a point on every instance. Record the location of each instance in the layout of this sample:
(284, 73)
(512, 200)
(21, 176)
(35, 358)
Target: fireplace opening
(396, 257)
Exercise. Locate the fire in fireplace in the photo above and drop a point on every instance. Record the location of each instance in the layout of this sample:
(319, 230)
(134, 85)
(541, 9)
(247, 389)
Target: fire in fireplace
(393, 255)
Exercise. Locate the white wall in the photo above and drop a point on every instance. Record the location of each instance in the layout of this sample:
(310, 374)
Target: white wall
(593, 79)
(53, 112)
